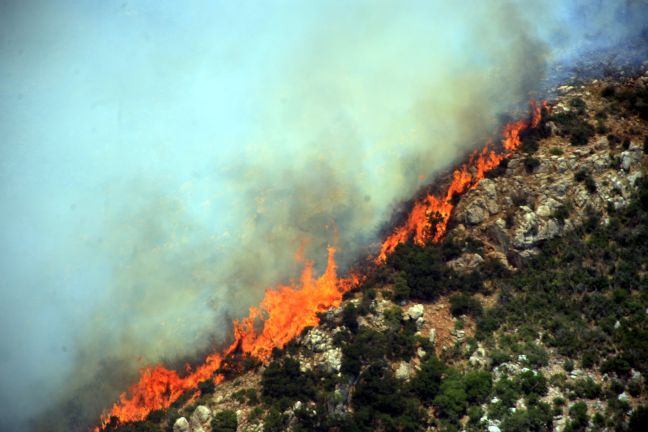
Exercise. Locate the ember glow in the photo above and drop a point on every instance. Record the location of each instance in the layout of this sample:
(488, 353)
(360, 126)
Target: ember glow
(287, 309)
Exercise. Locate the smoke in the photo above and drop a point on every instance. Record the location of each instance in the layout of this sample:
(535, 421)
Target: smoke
(163, 163)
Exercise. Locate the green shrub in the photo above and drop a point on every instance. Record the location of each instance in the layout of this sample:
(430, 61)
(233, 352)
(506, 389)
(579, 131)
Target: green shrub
(463, 304)
(638, 420)
(452, 401)
(283, 381)
(530, 163)
(580, 135)
(350, 317)
(578, 417)
(224, 421)
(427, 381)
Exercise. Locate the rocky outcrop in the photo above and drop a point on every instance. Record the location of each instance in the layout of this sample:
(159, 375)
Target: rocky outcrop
(514, 213)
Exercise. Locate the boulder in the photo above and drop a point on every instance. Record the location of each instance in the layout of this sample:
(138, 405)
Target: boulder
(433, 334)
(200, 417)
(181, 425)
(415, 312)
(403, 371)
(467, 261)
(332, 359)
(475, 213)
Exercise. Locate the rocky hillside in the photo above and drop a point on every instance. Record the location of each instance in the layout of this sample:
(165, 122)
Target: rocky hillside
(531, 314)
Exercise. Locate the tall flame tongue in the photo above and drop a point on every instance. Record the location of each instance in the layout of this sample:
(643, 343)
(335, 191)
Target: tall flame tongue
(287, 310)
(418, 224)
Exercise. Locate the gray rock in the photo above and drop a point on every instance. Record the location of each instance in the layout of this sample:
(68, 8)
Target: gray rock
(403, 372)
(332, 359)
(181, 425)
(493, 428)
(632, 178)
(475, 213)
(623, 397)
(433, 334)
(466, 261)
(415, 312)
(602, 143)
(200, 417)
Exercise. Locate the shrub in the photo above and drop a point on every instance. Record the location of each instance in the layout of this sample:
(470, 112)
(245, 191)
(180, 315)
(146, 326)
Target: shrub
(428, 380)
(463, 304)
(350, 317)
(401, 289)
(580, 135)
(478, 386)
(581, 175)
(556, 151)
(283, 381)
(206, 387)
(530, 164)
(608, 91)
(532, 383)
(452, 401)
(274, 421)
(224, 421)
(590, 184)
(638, 420)
(578, 417)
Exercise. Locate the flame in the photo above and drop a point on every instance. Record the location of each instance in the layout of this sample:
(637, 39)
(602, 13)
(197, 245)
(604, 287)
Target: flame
(288, 309)
(418, 226)
(284, 311)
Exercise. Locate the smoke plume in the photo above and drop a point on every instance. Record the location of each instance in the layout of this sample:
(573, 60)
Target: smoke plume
(162, 163)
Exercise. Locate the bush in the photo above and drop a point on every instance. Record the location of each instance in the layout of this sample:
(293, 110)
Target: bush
(274, 421)
(578, 416)
(350, 317)
(224, 421)
(530, 164)
(401, 289)
(590, 184)
(638, 420)
(283, 381)
(428, 380)
(452, 401)
(463, 304)
(556, 151)
(206, 387)
(478, 386)
(580, 135)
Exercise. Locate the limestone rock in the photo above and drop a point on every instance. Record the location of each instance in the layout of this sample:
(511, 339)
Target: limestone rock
(466, 261)
(403, 372)
(200, 417)
(415, 312)
(332, 359)
(181, 425)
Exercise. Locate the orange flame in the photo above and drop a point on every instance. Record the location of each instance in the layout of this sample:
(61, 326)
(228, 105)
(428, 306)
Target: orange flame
(418, 226)
(287, 310)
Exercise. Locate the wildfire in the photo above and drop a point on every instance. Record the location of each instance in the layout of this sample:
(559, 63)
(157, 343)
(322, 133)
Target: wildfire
(418, 225)
(285, 311)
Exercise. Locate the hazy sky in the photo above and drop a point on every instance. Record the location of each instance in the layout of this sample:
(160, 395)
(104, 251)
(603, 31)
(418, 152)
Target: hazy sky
(160, 161)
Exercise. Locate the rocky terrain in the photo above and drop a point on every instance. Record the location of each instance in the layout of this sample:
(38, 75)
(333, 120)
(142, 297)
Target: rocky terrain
(492, 336)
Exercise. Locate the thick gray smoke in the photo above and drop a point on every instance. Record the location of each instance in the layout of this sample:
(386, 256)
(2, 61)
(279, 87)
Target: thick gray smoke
(162, 163)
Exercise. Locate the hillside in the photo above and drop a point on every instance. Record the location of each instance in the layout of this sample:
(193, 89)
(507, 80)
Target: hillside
(530, 314)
